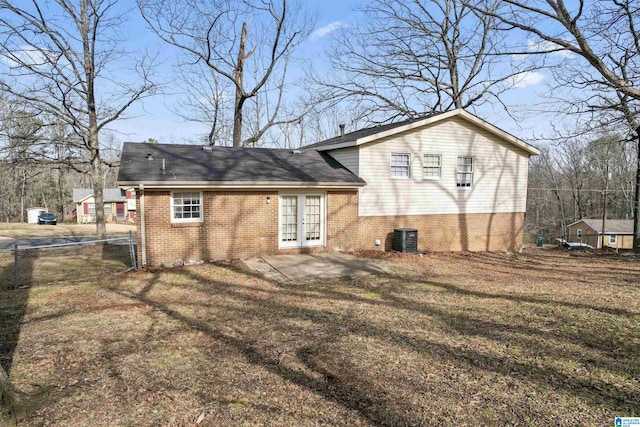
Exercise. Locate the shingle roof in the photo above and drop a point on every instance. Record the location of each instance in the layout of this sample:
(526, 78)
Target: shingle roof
(613, 226)
(204, 164)
(108, 195)
(366, 135)
(361, 133)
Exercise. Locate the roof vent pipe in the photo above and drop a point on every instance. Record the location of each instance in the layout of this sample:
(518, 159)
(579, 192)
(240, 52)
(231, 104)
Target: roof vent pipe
(149, 156)
(341, 126)
(163, 171)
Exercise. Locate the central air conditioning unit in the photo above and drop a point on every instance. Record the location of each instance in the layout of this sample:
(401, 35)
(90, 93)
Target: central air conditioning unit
(405, 240)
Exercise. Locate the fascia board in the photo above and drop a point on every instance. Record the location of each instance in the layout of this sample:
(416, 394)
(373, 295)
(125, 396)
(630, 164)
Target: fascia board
(238, 185)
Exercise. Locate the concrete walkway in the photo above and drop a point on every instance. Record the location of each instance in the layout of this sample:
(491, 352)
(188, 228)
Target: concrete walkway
(315, 266)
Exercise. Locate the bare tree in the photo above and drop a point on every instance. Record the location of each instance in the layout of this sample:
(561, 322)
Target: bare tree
(64, 59)
(567, 182)
(412, 57)
(247, 44)
(604, 38)
(604, 34)
(205, 99)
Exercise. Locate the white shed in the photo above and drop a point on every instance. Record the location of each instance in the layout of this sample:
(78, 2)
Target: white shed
(32, 214)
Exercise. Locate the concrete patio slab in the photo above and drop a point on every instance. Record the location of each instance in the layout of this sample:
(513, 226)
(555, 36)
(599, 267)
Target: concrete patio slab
(320, 266)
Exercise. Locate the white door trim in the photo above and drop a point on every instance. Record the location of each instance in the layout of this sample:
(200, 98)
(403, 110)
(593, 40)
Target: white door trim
(301, 241)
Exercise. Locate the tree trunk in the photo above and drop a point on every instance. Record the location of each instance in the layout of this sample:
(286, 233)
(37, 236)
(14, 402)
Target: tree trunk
(239, 102)
(96, 180)
(93, 140)
(96, 172)
(61, 187)
(23, 193)
(636, 200)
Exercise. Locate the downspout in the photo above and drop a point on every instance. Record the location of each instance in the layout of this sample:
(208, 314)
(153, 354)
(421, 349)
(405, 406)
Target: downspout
(143, 237)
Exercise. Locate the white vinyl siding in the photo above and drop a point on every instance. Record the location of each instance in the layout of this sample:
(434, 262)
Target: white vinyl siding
(432, 166)
(400, 165)
(499, 175)
(348, 157)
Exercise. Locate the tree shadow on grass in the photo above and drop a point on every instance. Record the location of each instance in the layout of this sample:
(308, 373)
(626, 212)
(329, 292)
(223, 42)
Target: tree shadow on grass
(13, 306)
(270, 306)
(534, 263)
(364, 397)
(326, 385)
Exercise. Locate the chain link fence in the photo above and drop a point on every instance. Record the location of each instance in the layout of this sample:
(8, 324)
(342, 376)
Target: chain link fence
(30, 265)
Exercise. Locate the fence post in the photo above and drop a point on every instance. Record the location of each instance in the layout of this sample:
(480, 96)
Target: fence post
(16, 275)
(132, 252)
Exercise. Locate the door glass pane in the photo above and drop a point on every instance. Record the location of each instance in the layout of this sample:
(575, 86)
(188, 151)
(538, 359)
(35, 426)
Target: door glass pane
(289, 218)
(312, 218)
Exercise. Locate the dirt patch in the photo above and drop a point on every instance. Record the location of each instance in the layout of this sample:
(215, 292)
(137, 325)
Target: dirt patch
(540, 338)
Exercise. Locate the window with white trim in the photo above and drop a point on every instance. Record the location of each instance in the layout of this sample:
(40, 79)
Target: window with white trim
(432, 166)
(579, 233)
(613, 239)
(186, 206)
(400, 165)
(464, 172)
(91, 208)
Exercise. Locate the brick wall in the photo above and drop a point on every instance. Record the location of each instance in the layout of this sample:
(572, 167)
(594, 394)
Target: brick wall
(240, 224)
(342, 219)
(236, 224)
(472, 232)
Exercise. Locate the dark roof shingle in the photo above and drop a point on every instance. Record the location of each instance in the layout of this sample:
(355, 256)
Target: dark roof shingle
(361, 133)
(108, 194)
(198, 163)
(616, 226)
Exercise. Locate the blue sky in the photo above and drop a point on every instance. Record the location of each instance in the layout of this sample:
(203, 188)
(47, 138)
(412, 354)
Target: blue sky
(153, 118)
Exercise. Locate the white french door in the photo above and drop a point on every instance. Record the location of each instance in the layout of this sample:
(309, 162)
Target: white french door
(302, 220)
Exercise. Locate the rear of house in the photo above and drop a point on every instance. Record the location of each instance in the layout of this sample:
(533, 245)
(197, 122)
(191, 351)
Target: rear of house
(207, 203)
(457, 179)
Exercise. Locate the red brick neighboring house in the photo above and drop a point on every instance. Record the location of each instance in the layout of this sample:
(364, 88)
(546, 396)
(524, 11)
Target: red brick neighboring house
(457, 179)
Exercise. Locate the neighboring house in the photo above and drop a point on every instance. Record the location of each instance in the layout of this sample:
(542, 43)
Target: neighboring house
(457, 179)
(618, 233)
(117, 205)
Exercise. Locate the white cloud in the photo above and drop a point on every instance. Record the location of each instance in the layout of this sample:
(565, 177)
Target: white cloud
(27, 55)
(544, 46)
(526, 79)
(329, 28)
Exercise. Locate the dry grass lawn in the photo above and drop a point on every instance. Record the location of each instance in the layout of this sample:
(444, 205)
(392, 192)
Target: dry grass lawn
(22, 230)
(542, 338)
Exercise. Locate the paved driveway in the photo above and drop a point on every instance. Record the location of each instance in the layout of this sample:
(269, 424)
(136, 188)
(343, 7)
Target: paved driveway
(316, 266)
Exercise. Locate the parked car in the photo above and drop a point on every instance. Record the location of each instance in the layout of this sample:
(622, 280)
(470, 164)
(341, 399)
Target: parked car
(47, 218)
(576, 245)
